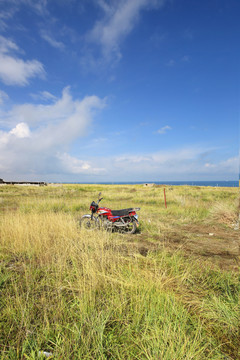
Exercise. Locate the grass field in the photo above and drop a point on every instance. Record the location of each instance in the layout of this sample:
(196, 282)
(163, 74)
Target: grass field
(170, 291)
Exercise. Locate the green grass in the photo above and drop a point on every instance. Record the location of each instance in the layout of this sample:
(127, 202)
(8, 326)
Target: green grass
(152, 295)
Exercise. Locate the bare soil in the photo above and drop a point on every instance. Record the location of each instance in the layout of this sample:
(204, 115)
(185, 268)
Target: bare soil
(219, 244)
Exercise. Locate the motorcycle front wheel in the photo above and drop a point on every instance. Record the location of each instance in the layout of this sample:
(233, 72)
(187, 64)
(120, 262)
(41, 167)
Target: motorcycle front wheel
(89, 222)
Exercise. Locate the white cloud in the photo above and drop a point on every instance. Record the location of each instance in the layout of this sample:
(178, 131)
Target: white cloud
(39, 135)
(164, 129)
(120, 18)
(96, 143)
(74, 165)
(6, 45)
(3, 97)
(179, 164)
(133, 159)
(5, 15)
(17, 72)
(162, 160)
(44, 95)
(209, 165)
(21, 131)
(231, 163)
(48, 96)
(13, 70)
(39, 152)
(40, 6)
(65, 116)
(51, 40)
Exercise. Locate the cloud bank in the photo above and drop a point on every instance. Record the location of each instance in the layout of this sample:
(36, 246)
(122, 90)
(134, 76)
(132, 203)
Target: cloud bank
(185, 163)
(38, 136)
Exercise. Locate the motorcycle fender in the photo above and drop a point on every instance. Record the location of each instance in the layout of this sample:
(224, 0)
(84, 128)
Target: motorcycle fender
(136, 220)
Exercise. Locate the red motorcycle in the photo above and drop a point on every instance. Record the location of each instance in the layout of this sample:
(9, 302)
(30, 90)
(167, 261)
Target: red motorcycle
(125, 220)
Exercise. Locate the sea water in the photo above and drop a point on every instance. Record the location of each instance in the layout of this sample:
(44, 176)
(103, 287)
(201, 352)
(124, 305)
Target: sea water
(231, 183)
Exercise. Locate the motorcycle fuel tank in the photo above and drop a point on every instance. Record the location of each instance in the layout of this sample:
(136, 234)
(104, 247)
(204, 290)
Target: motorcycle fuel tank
(103, 210)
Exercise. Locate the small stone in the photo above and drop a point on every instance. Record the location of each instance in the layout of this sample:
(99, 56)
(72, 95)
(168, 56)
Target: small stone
(211, 234)
(45, 353)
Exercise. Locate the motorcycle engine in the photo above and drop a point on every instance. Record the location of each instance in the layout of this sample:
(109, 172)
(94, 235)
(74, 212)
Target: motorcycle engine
(107, 225)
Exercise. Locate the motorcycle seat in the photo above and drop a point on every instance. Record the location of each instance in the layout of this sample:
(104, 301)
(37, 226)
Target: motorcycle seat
(122, 212)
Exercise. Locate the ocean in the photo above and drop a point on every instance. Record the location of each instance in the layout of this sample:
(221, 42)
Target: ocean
(178, 183)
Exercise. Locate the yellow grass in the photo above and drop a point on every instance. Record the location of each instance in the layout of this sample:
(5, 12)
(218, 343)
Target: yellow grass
(171, 291)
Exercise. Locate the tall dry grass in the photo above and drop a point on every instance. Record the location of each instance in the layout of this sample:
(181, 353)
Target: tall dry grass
(82, 295)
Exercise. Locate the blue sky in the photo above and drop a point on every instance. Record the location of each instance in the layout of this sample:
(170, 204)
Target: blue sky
(127, 90)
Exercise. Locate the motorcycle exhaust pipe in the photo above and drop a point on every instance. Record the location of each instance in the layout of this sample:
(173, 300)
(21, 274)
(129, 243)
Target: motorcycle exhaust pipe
(120, 225)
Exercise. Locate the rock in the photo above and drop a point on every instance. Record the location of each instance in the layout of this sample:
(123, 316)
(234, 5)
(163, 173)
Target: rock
(45, 353)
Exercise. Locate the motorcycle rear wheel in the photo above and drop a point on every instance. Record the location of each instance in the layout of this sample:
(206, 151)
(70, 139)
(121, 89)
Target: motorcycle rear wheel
(89, 223)
(130, 228)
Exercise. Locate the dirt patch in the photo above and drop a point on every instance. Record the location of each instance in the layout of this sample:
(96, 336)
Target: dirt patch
(9, 209)
(216, 243)
(216, 233)
(219, 244)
